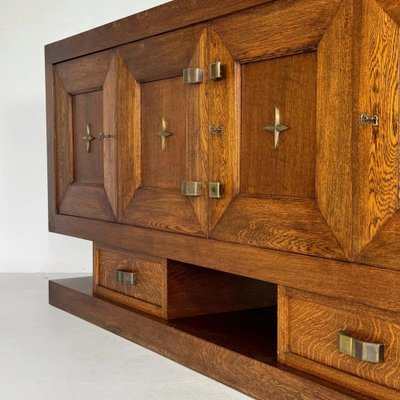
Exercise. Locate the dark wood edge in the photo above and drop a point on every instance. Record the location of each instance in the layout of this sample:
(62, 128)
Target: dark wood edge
(50, 123)
(257, 379)
(157, 20)
(353, 282)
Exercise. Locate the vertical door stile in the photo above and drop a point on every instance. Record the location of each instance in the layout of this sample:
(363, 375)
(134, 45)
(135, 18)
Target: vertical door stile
(197, 138)
(223, 127)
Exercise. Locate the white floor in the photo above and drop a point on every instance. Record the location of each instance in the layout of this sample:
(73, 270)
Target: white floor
(47, 354)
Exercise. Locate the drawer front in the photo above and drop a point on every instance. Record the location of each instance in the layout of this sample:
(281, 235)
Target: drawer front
(148, 275)
(316, 331)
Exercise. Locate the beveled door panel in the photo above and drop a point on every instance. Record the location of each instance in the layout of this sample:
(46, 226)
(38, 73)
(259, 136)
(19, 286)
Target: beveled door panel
(275, 205)
(289, 84)
(331, 184)
(172, 139)
(93, 99)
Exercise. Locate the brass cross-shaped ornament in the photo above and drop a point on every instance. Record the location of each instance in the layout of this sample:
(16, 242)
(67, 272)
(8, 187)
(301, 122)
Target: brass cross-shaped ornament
(164, 134)
(278, 128)
(88, 138)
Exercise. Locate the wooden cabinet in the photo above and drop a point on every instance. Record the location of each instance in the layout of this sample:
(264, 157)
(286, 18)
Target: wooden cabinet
(204, 145)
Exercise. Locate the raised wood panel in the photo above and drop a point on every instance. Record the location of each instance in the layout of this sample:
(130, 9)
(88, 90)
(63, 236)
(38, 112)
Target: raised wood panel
(197, 133)
(288, 83)
(312, 324)
(392, 8)
(280, 224)
(276, 29)
(88, 110)
(63, 139)
(122, 125)
(223, 110)
(375, 149)
(383, 251)
(163, 210)
(167, 17)
(87, 201)
(86, 73)
(334, 114)
(164, 169)
(159, 57)
(159, 203)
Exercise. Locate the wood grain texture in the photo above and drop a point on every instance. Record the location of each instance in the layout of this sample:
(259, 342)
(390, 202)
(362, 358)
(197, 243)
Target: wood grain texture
(81, 100)
(391, 8)
(193, 291)
(334, 114)
(375, 287)
(167, 17)
(257, 379)
(164, 169)
(52, 149)
(375, 149)
(178, 289)
(275, 29)
(163, 210)
(122, 150)
(63, 163)
(223, 110)
(87, 110)
(159, 203)
(87, 201)
(159, 57)
(198, 133)
(312, 325)
(384, 249)
(86, 73)
(289, 83)
(150, 274)
(281, 224)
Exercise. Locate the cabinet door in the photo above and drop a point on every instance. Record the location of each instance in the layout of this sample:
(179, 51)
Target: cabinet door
(172, 141)
(275, 203)
(376, 163)
(92, 95)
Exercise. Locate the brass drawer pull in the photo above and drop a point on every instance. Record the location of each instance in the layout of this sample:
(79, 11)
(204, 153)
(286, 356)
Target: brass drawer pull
(216, 71)
(125, 277)
(191, 189)
(363, 351)
(192, 76)
(215, 190)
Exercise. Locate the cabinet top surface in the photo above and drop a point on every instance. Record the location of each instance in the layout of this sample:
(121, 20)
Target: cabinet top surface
(166, 17)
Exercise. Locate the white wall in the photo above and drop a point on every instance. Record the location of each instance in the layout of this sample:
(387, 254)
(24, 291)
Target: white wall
(25, 27)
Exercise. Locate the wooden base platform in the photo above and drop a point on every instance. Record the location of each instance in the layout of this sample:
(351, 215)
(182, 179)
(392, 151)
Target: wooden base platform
(237, 349)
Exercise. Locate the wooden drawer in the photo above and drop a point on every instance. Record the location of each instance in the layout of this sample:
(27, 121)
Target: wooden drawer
(172, 289)
(308, 333)
(145, 293)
